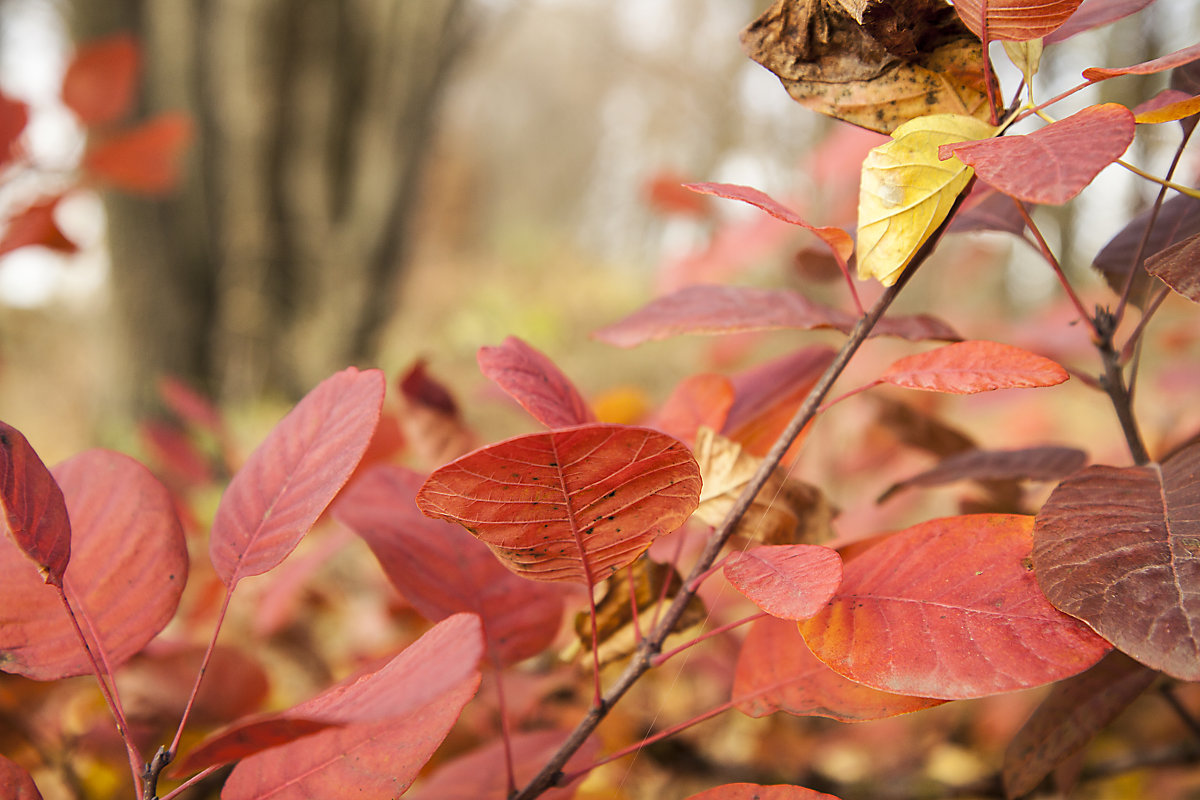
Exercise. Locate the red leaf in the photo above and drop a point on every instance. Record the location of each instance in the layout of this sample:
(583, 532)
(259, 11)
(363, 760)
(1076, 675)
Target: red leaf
(35, 513)
(16, 783)
(790, 581)
(975, 366)
(1093, 14)
(293, 475)
(378, 759)
(101, 79)
(174, 455)
(1054, 163)
(703, 399)
(1177, 59)
(36, 225)
(949, 609)
(1176, 266)
(667, 194)
(536, 383)
(777, 672)
(752, 791)
(14, 116)
(189, 405)
(766, 397)
(1031, 463)
(128, 569)
(442, 570)
(439, 665)
(839, 242)
(145, 159)
(986, 209)
(430, 419)
(481, 774)
(1014, 20)
(731, 309)
(1110, 541)
(1075, 711)
(571, 504)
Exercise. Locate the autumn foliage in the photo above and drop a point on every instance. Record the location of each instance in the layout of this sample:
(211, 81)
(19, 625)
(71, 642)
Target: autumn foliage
(688, 526)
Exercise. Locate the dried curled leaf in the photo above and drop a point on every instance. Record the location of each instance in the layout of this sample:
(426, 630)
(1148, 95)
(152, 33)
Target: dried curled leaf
(906, 191)
(872, 63)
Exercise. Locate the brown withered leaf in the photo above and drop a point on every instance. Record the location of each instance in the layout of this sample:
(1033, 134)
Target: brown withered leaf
(614, 613)
(874, 63)
(920, 430)
(786, 510)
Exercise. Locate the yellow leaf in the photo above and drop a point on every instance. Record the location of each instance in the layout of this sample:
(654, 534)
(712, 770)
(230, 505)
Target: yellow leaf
(906, 191)
(1026, 56)
(786, 510)
(1170, 112)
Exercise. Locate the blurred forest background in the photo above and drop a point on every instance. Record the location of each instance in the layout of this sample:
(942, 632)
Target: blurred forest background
(373, 181)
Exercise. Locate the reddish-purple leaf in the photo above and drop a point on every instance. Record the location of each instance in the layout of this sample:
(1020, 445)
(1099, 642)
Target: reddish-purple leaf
(378, 759)
(752, 791)
(481, 774)
(437, 666)
(839, 242)
(986, 209)
(709, 309)
(1075, 711)
(572, 504)
(101, 80)
(536, 383)
(442, 570)
(777, 672)
(34, 511)
(16, 783)
(288, 481)
(1014, 20)
(1119, 548)
(128, 569)
(1031, 463)
(1053, 164)
(1093, 14)
(1179, 267)
(766, 396)
(1177, 59)
(975, 366)
(1177, 219)
(950, 609)
(789, 581)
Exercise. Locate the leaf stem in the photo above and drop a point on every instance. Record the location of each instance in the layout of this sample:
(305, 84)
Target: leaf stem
(1048, 254)
(729, 626)
(1166, 184)
(212, 644)
(642, 660)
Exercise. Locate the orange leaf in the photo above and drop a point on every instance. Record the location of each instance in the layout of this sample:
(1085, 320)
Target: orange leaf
(145, 159)
(36, 226)
(100, 82)
(789, 581)
(1014, 20)
(752, 791)
(975, 366)
(572, 504)
(1171, 60)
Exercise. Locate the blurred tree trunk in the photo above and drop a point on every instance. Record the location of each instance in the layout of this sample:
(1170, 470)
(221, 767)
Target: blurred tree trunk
(280, 259)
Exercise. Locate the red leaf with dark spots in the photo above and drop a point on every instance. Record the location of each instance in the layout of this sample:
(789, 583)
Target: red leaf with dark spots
(710, 309)
(839, 242)
(915, 617)
(790, 581)
(1014, 20)
(143, 160)
(1055, 163)
(288, 481)
(536, 383)
(573, 504)
(101, 80)
(777, 672)
(442, 570)
(975, 366)
(35, 513)
(481, 774)
(36, 225)
(1075, 711)
(1119, 548)
(127, 571)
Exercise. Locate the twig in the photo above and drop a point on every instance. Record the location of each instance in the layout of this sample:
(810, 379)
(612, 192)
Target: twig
(1113, 383)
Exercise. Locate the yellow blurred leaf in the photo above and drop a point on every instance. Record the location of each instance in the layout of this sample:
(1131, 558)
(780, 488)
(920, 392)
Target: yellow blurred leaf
(786, 510)
(906, 191)
(873, 63)
(1170, 112)
(622, 405)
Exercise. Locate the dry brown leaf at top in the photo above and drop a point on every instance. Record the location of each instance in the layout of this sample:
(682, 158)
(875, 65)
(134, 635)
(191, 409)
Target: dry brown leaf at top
(785, 511)
(874, 63)
(614, 613)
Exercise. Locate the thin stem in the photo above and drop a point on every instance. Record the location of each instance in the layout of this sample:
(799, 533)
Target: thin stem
(1166, 184)
(1147, 315)
(633, 609)
(505, 725)
(729, 626)
(694, 583)
(1048, 254)
(1168, 693)
(212, 644)
(199, 776)
(666, 585)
